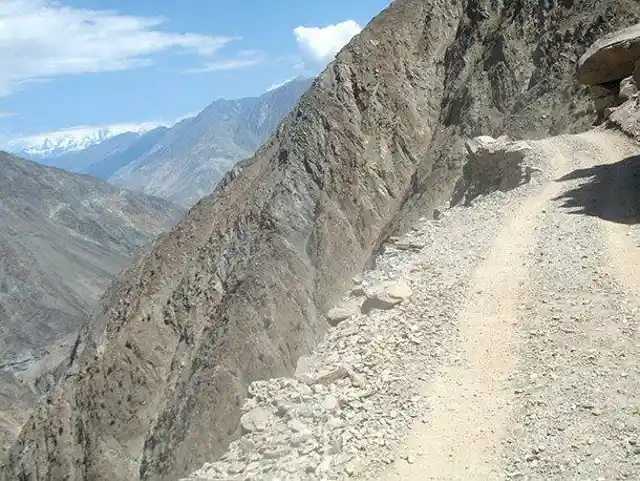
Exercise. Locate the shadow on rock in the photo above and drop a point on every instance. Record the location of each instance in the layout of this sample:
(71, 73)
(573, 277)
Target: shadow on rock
(612, 191)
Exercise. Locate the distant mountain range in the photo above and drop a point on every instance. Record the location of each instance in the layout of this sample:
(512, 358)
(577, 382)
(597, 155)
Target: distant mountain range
(51, 145)
(184, 162)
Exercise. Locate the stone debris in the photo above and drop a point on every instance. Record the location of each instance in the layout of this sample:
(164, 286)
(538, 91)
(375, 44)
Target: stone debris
(345, 413)
(495, 164)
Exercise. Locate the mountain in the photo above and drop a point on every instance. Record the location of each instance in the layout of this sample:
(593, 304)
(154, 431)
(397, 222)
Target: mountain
(129, 149)
(63, 237)
(81, 160)
(103, 159)
(185, 162)
(240, 288)
(48, 147)
(188, 161)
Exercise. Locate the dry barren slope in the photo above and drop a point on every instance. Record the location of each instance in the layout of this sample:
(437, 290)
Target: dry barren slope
(237, 292)
(63, 237)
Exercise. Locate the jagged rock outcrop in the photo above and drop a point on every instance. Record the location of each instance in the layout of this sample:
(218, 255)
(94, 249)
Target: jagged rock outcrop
(615, 60)
(611, 58)
(611, 68)
(240, 288)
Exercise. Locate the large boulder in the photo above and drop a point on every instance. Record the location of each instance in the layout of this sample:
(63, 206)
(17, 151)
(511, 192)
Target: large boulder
(494, 164)
(611, 58)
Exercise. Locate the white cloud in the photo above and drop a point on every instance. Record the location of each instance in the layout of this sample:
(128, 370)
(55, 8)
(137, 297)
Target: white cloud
(323, 43)
(279, 84)
(4, 115)
(42, 39)
(244, 59)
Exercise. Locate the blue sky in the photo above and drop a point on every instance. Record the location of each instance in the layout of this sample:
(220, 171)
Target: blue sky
(68, 63)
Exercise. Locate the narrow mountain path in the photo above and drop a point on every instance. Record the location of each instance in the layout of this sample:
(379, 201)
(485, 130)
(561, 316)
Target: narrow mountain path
(516, 356)
(474, 426)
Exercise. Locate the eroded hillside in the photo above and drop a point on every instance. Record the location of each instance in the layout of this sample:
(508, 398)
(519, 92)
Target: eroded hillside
(63, 237)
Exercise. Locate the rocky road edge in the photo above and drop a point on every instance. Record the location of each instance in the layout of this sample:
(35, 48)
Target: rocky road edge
(347, 409)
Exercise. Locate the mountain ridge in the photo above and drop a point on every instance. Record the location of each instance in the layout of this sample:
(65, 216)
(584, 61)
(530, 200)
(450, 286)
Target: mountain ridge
(45, 148)
(184, 161)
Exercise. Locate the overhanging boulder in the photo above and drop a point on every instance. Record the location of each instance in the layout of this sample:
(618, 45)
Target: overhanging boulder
(611, 58)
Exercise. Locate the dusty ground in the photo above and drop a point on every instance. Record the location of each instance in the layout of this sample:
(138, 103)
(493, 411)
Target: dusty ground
(547, 384)
(516, 357)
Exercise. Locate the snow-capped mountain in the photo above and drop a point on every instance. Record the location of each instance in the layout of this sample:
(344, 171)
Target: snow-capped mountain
(49, 145)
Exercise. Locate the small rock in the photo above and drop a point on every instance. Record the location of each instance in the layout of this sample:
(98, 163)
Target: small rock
(335, 423)
(258, 419)
(236, 468)
(332, 376)
(357, 291)
(385, 296)
(628, 89)
(403, 245)
(399, 291)
(354, 467)
(343, 312)
(330, 403)
(539, 449)
(324, 466)
(297, 426)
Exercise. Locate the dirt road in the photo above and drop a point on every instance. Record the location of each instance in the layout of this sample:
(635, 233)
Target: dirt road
(547, 386)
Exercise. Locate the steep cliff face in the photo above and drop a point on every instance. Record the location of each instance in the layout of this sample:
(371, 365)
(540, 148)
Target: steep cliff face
(16, 401)
(239, 289)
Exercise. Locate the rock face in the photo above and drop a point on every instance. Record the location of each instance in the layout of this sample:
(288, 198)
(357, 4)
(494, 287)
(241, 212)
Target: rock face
(240, 289)
(16, 402)
(611, 58)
